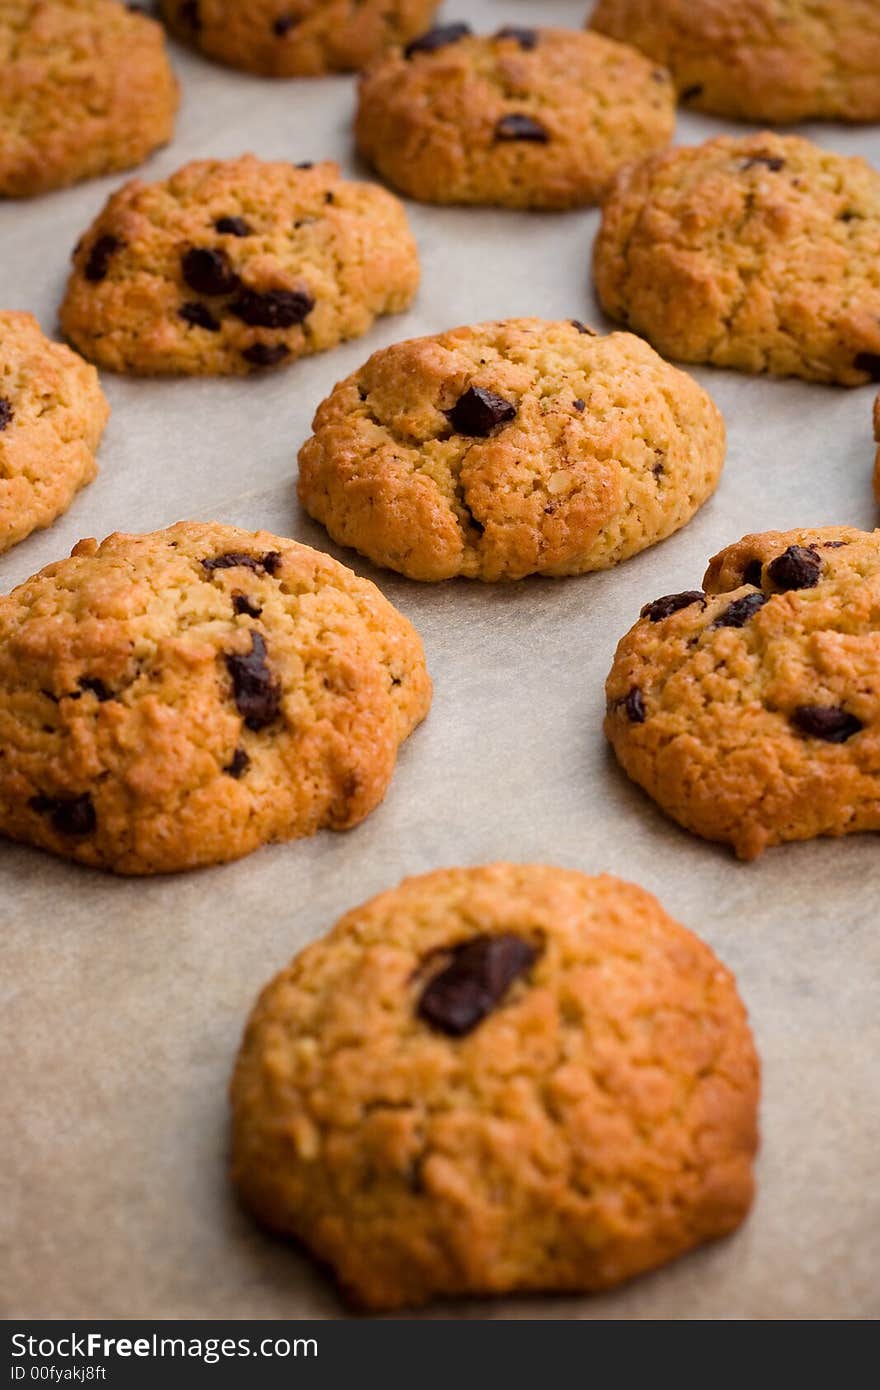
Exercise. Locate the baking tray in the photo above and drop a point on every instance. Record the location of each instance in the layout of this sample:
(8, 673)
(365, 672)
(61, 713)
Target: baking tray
(123, 1001)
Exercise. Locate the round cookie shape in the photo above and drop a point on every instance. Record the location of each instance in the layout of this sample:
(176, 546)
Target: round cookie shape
(52, 416)
(525, 118)
(500, 450)
(231, 266)
(758, 253)
(87, 89)
(760, 60)
(296, 38)
(181, 698)
(497, 1080)
(750, 711)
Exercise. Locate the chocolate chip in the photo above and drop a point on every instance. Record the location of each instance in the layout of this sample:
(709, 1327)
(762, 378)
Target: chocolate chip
(238, 764)
(582, 328)
(476, 979)
(847, 216)
(828, 722)
(233, 226)
(69, 815)
(795, 568)
(306, 164)
(328, 197)
(199, 315)
(634, 704)
(239, 559)
(834, 545)
(753, 573)
(207, 271)
(739, 612)
(868, 362)
(579, 405)
(659, 467)
(478, 411)
(691, 93)
(518, 126)
(256, 689)
(98, 261)
(188, 13)
(283, 25)
(771, 161)
(6, 412)
(93, 685)
(526, 38)
(439, 37)
(671, 603)
(243, 605)
(273, 309)
(265, 354)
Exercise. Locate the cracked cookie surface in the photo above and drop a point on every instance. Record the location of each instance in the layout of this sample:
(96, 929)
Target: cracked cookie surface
(526, 118)
(497, 1079)
(86, 89)
(504, 449)
(181, 698)
(757, 252)
(296, 38)
(751, 711)
(760, 60)
(231, 266)
(52, 416)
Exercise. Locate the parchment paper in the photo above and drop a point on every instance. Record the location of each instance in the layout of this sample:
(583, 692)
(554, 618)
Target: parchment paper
(123, 1001)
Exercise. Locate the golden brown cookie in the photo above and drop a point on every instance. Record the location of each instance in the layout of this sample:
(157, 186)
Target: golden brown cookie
(181, 698)
(86, 89)
(505, 449)
(296, 38)
(760, 60)
(760, 253)
(495, 1080)
(52, 416)
(751, 712)
(526, 118)
(234, 265)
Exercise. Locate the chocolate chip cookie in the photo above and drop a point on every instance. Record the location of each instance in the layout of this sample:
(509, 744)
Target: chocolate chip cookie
(525, 118)
(764, 60)
(758, 252)
(86, 89)
(231, 266)
(750, 709)
(181, 698)
(494, 1080)
(297, 38)
(52, 416)
(506, 449)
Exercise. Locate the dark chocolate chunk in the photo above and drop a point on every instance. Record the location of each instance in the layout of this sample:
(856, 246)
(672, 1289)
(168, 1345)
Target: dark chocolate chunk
(207, 271)
(828, 722)
(69, 815)
(795, 568)
(199, 315)
(256, 688)
(238, 765)
(6, 412)
(439, 37)
(582, 328)
(95, 686)
(306, 164)
(771, 161)
(739, 612)
(243, 605)
(526, 38)
(847, 216)
(868, 362)
(265, 354)
(753, 573)
(98, 260)
(691, 93)
(188, 13)
(238, 559)
(273, 308)
(478, 411)
(671, 603)
(474, 982)
(579, 405)
(634, 704)
(283, 25)
(518, 126)
(233, 226)
(328, 197)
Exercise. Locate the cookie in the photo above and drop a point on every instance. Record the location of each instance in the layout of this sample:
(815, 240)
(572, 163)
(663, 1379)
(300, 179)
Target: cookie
(762, 60)
(751, 711)
(181, 698)
(52, 416)
(500, 1079)
(87, 89)
(296, 38)
(235, 265)
(507, 449)
(527, 118)
(758, 253)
